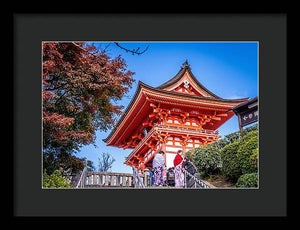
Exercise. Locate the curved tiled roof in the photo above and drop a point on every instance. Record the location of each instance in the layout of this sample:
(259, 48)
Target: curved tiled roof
(185, 67)
(245, 103)
(143, 85)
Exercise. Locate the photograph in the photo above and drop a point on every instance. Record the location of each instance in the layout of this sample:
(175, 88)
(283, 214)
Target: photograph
(150, 115)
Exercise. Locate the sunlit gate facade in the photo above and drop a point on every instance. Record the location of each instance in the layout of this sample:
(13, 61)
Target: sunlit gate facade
(179, 114)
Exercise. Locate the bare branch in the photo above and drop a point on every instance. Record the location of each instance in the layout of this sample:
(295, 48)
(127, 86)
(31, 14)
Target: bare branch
(105, 162)
(133, 51)
(105, 48)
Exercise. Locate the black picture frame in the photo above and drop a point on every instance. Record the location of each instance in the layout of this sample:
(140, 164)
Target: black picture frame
(270, 30)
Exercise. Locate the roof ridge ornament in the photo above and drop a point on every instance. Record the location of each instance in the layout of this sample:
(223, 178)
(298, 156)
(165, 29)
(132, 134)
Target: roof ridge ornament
(186, 65)
(186, 84)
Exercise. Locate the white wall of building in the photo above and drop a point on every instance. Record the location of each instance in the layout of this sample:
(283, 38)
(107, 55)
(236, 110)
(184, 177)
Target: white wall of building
(170, 159)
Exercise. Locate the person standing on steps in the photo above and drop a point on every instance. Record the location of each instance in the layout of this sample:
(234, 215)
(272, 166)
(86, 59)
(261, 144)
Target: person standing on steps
(158, 168)
(150, 170)
(190, 168)
(179, 175)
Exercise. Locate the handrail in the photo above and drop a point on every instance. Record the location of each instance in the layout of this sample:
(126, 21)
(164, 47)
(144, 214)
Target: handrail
(198, 130)
(141, 143)
(200, 182)
(81, 178)
(136, 174)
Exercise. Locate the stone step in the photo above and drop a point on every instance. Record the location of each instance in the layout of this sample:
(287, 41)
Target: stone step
(120, 187)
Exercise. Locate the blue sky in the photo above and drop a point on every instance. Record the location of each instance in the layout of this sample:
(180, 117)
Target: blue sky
(228, 69)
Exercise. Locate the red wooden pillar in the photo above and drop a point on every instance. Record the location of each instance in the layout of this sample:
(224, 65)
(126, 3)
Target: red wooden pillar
(183, 149)
(183, 144)
(143, 167)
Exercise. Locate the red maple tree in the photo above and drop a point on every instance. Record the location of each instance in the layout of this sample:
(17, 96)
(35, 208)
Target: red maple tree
(79, 85)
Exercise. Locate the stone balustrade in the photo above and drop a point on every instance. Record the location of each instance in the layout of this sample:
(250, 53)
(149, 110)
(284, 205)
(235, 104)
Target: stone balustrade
(190, 129)
(112, 179)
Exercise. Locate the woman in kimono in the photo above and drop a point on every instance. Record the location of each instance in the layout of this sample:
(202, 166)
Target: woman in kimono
(179, 175)
(158, 168)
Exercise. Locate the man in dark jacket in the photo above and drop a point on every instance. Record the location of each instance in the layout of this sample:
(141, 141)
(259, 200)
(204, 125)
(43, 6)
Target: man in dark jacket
(190, 168)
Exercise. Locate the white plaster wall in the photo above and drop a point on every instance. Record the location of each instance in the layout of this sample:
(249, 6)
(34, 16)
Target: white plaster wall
(170, 159)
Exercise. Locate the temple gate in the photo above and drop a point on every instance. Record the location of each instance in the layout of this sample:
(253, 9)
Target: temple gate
(179, 114)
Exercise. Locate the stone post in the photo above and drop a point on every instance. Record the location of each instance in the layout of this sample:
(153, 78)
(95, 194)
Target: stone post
(112, 180)
(129, 181)
(146, 177)
(95, 178)
(106, 179)
(118, 180)
(100, 179)
(124, 181)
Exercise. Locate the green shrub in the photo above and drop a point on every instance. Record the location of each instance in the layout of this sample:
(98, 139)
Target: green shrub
(251, 128)
(236, 136)
(244, 155)
(230, 163)
(254, 158)
(190, 155)
(237, 153)
(55, 180)
(207, 159)
(221, 143)
(202, 174)
(241, 156)
(248, 181)
(249, 135)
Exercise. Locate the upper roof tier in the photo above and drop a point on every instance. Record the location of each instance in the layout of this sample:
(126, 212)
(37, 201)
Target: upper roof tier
(185, 82)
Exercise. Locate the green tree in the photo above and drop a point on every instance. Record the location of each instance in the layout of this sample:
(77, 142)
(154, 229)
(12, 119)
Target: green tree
(254, 158)
(63, 161)
(232, 137)
(249, 180)
(90, 166)
(237, 153)
(240, 156)
(55, 180)
(207, 159)
(246, 155)
(230, 163)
